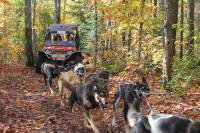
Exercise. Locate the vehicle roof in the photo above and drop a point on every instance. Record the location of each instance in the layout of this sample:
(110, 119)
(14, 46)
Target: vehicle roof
(68, 28)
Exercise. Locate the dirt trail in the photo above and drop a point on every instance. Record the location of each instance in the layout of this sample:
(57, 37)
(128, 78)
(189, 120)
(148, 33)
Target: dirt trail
(27, 107)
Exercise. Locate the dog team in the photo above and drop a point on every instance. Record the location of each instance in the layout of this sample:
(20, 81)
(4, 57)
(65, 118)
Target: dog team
(72, 87)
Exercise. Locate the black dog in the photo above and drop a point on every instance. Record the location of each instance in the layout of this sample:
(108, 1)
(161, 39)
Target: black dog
(50, 71)
(124, 92)
(157, 122)
(90, 96)
(103, 75)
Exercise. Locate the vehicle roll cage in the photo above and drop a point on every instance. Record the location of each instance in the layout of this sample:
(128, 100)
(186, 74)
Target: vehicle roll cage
(63, 29)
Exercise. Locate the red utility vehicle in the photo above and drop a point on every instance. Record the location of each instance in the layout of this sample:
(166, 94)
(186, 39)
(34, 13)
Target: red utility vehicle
(60, 42)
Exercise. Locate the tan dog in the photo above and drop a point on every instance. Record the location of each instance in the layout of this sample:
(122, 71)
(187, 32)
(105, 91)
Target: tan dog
(65, 80)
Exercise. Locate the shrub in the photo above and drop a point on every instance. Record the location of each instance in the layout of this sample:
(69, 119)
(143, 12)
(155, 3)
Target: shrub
(185, 71)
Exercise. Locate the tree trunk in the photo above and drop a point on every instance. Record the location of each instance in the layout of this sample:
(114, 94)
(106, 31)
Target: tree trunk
(107, 41)
(155, 15)
(190, 21)
(5, 25)
(123, 41)
(162, 4)
(64, 12)
(28, 34)
(129, 40)
(57, 11)
(141, 31)
(198, 28)
(181, 32)
(110, 38)
(140, 42)
(95, 26)
(34, 32)
(171, 18)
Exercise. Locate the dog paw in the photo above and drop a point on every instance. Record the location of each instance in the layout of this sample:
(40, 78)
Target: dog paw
(113, 123)
(96, 130)
(75, 122)
(127, 130)
(87, 124)
(62, 104)
(52, 94)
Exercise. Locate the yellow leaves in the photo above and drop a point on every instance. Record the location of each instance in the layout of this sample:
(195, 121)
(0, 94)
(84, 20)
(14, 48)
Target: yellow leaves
(89, 46)
(5, 2)
(37, 126)
(18, 100)
(91, 5)
(10, 51)
(163, 76)
(105, 36)
(86, 16)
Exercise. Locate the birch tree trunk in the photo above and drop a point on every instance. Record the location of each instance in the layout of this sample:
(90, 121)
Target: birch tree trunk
(28, 34)
(140, 42)
(171, 18)
(190, 21)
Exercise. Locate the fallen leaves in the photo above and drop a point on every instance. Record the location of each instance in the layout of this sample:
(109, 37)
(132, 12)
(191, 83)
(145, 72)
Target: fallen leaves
(27, 106)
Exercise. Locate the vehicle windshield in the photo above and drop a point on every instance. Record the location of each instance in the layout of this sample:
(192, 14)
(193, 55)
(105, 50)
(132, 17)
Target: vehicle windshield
(60, 39)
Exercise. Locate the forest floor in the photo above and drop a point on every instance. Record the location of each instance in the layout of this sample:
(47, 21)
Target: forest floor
(26, 106)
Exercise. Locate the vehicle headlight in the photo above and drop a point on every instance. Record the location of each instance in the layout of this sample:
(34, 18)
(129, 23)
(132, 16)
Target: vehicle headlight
(48, 52)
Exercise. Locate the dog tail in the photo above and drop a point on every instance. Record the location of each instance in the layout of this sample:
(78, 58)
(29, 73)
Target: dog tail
(194, 127)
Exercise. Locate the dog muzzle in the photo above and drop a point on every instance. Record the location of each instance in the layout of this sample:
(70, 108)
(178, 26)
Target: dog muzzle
(102, 101)
(79, 69)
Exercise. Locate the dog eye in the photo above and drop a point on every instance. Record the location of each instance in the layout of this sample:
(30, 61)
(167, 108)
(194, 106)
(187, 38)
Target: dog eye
(101, 94)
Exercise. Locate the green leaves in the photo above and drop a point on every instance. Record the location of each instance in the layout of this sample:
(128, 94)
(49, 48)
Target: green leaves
(185, 71)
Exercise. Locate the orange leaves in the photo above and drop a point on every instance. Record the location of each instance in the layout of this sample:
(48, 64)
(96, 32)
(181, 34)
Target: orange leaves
(31, 108)
(4, 2)
(37, 126)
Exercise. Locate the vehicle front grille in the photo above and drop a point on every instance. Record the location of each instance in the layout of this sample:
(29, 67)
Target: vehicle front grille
(58, 52)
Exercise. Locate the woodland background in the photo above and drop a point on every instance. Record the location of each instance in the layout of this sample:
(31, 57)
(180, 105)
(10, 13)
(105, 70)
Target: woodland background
(159, 39)
(159, 36)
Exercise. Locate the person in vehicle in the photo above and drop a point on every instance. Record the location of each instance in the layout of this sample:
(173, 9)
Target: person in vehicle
(53, 39)
(59, 38)
(69, 38)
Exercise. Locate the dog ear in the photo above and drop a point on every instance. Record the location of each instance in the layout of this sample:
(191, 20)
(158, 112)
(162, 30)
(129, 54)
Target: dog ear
(95, 88)
(95, 80)
(144, 80)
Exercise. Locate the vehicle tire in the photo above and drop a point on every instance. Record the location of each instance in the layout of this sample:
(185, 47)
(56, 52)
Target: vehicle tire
(39, 62)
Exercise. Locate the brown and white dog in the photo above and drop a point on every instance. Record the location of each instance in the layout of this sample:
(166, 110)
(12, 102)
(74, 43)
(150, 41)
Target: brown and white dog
(67, 79)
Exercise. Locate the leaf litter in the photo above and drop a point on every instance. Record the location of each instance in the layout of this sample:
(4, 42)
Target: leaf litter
(27, 106)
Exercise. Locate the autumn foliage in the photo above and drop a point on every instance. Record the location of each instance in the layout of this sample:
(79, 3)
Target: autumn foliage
(130, 44)
(27, 106)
